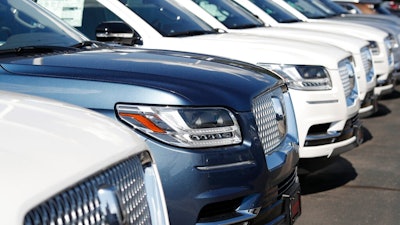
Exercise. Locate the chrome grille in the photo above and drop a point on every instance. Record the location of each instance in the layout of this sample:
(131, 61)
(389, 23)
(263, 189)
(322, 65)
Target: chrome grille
(344, 76)
(366, 58)
(271, 124)
(349, 81)
(389, 49)
(81, 205)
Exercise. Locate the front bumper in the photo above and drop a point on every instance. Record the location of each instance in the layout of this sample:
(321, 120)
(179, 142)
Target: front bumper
(350, 137)
(386, 86)
(225, 185)
(285, 207)
(369, 105)
(317, 116)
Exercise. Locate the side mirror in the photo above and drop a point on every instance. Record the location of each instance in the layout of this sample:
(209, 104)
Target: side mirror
(116, 32)
(353, 11)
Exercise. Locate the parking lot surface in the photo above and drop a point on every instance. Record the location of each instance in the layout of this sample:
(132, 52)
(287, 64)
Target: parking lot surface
(361, 186)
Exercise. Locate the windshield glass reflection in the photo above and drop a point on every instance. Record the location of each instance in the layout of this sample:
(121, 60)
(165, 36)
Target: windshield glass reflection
(307, 8)
(276, 11)
(22, 25)
(168, 18)
(230, 13)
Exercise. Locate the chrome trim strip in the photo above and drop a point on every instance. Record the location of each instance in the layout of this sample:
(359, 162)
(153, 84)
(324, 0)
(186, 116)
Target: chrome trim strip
(244, 163)
(241, 217)
(322, 136)
(323, 102)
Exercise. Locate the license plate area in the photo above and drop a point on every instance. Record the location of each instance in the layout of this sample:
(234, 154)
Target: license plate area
(293, 206)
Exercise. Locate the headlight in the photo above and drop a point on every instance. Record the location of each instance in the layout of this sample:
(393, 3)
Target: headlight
(374, 47)
(183, 127)
(308, 78)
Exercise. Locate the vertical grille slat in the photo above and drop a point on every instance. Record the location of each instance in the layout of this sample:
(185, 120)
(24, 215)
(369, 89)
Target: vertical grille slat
(80, 204)
(266, 120)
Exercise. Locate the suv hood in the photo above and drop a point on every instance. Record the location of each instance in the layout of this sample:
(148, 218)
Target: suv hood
(383, 25)
(255, 49)
(349, 43)
(381, 17)
(179, 78)
(344, 27)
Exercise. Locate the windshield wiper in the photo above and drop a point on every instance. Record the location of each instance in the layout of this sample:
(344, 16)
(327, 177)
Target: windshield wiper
(42, 49)
(331, 16)
(290, 21)
(318, 17)
(246, 26)
(24, 50)
(191, 33)
(89, 45)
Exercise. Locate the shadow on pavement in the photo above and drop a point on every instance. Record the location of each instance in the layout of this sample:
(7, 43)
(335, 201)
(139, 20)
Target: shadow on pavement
(394, 95)
(322, 174)
(382, 111)
(367, 136)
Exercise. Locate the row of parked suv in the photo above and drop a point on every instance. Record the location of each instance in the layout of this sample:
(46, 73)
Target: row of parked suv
(207, 106)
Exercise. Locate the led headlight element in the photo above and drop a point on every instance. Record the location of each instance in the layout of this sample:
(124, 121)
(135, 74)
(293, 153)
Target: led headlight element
(183, 127)
(303, 77)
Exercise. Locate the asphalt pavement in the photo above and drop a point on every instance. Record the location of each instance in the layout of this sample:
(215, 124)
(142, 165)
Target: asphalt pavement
(362, 186)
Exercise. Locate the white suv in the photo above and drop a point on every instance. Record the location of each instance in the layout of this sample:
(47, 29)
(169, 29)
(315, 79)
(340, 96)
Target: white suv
(220, 13)
(65, 164)
(287, 16)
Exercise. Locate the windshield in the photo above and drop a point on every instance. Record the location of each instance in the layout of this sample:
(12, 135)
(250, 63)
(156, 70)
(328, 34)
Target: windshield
(336, 8)
(165, 16)
(230, 13)
(276, 11)
(324, 8)
(24, 24)
(307, 8)
(168, 18)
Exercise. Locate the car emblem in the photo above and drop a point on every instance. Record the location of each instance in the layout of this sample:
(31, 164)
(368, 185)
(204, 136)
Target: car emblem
(110, 205)
(280, 114)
